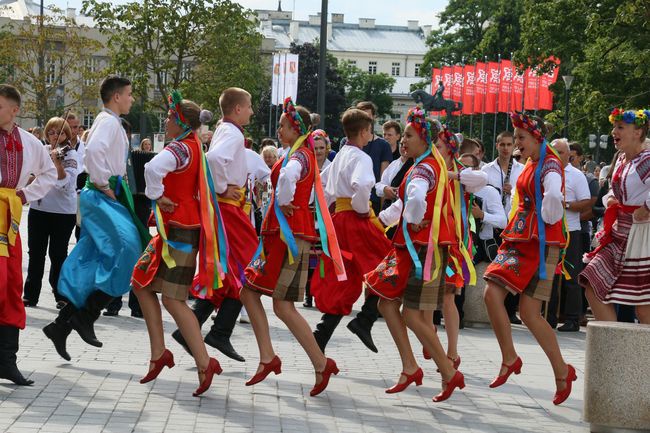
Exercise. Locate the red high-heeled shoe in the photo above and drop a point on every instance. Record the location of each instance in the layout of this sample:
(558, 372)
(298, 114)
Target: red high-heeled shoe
(165, 360)
(213, 368)
(275, 366)
(458, 381)
(416, 377)
(560, 396)
(330, 369)
(455, 362)
(515, 368)
(425, 353)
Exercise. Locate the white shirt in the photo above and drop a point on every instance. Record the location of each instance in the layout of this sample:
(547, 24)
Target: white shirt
(635, 190)
(81, 151)
(388, 175)
(106, 149)
(283, 151)
(472, 180)
(496, 178)
(326, 164)
(494, 214)
(289, 176)
(416, 203)
(62, 198)
(227, 157)
(257, 169)
(36, 161)
(576, 188)
(350, 176)
(553, 199)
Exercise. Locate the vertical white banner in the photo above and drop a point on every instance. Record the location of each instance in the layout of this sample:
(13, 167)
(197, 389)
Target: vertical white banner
(284, 81)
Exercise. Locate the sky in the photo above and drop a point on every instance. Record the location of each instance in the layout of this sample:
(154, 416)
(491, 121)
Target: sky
(386, 12)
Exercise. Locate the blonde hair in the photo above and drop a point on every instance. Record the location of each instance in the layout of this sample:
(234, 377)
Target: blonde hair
(230, 98)
(56, 123)
(269, 150)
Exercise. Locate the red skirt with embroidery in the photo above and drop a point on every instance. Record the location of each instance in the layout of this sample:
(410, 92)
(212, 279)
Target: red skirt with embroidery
(363, 246)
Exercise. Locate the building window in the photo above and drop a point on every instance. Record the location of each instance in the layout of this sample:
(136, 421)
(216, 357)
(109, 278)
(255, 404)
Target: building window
(186, 71)
(50, 71)
(92, 67)
(352, 63)
(372, 67)
(395, 69)
(161, 121)
(417, 69)
(88, 119)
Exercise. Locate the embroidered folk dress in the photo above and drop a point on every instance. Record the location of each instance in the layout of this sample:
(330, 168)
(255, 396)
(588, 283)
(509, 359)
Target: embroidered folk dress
(619, 270)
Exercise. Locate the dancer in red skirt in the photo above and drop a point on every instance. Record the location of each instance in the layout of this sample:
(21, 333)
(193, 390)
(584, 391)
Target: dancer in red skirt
(184, 211)
(413, 273)
(619, 269)
(349, 181)
(280, 267)
(530, 254)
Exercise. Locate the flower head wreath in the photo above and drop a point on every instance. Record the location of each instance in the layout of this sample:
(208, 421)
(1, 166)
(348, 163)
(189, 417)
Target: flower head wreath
(294, 117)
(175, 110)
(638, 117)
(319, 133)
(425, 128)
(524, 121)
(451, 140)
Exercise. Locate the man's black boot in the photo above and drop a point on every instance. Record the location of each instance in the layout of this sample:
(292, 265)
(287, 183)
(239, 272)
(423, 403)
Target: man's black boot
(325, 328)
(58, 332)
(8, 350)
(224, 324)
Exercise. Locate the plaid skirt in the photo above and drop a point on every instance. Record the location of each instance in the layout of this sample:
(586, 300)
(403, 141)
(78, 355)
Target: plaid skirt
(274, 275)
(516, 268)
(620, 271)
(152, 271)
(395, 279)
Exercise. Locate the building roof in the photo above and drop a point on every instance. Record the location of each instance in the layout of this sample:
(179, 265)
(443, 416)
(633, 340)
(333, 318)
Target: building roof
(348, 37)
(20, 9)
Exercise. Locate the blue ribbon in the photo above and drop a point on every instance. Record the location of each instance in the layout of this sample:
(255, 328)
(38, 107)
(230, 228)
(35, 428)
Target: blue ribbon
(541, 227)
(407, 237)
(221, 233)
(118, 186)
(181, 246)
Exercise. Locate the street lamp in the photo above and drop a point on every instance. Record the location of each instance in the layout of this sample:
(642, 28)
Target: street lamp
(568, 80)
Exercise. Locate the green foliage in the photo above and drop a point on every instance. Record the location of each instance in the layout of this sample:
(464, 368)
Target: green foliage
(364, 86)
(198, 47)
(64, 47)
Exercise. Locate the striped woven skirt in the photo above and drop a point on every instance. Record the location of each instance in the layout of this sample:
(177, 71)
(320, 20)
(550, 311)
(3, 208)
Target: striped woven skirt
(620, 271)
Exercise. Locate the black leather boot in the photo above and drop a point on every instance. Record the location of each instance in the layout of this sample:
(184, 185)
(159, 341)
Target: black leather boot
(83, 320)
(224, 323)
(325, 328)
(58, 332)
(362, 324)
(8, 350)
(202, 309)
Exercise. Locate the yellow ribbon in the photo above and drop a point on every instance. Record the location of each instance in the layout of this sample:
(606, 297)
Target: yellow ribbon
(431, 270)
(239, 203)
(459, 232)
(345, 204)
(10, 205)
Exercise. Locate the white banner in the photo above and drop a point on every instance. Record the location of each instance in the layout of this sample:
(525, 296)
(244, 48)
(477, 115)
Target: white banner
(284, 78)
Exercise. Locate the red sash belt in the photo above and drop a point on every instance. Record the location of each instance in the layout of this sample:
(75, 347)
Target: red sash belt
(610, 217)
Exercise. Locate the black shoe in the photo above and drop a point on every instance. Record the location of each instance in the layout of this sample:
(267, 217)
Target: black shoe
(308, 303)
(9, 337)
(325, 328)
(514, 319)
(60, 304)
(58, 333)
(137, 314)
(363, 333)
(176, 335)
(11, 372)
(29, 303)
(110, 313)
(570, 326)
(81, 323)
(223, 345)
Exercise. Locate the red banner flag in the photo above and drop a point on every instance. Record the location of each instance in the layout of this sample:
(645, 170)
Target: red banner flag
(436, 78)
(492, 87)
(546, 80)
(505, 86)
(447, 80)
(457, 86)
(469, 81)
(517, 94)
(531, 97)
(480, 88)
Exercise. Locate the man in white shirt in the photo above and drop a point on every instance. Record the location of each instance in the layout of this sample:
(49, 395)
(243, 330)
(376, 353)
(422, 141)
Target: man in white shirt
(26, 174)
(577, 199)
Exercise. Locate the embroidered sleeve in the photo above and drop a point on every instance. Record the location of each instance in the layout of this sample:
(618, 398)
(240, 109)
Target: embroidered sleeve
(181, 153)
(302, 158)
(423, 171)
(643, 166)
(551, 165)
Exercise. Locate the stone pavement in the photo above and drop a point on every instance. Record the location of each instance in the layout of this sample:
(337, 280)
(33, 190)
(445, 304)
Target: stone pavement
(98, 391)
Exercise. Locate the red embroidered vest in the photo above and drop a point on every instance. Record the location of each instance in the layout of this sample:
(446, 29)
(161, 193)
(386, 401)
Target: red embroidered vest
(523, 226)
(182, 188)
(302, 221)
(446, 235)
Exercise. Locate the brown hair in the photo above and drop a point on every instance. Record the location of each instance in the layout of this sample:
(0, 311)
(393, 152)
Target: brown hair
(191, 113)
(505, 134)
(230, 98)
(467, 145)
(112, 85)
(368, 105)
(354, 121)
(475, 161)
(55, 123)
(10, 92)
(394, 125)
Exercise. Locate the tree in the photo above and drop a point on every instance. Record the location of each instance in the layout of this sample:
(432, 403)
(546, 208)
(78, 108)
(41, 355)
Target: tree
(364, 86)
(335, 101)
(64, 47)
(198, 47)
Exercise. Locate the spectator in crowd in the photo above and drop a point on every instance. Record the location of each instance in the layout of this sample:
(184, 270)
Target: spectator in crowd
(379, 151)
(481, 153)
(393, 134)
(146, 145)
(206, 138)
(321, 148)
(577, 199)
(391, 179)
(36, 132)
(269, 153)
(51, 219)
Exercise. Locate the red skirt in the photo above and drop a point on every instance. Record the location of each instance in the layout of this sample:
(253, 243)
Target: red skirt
(12, 310)
(242, 243)
(363, 246)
